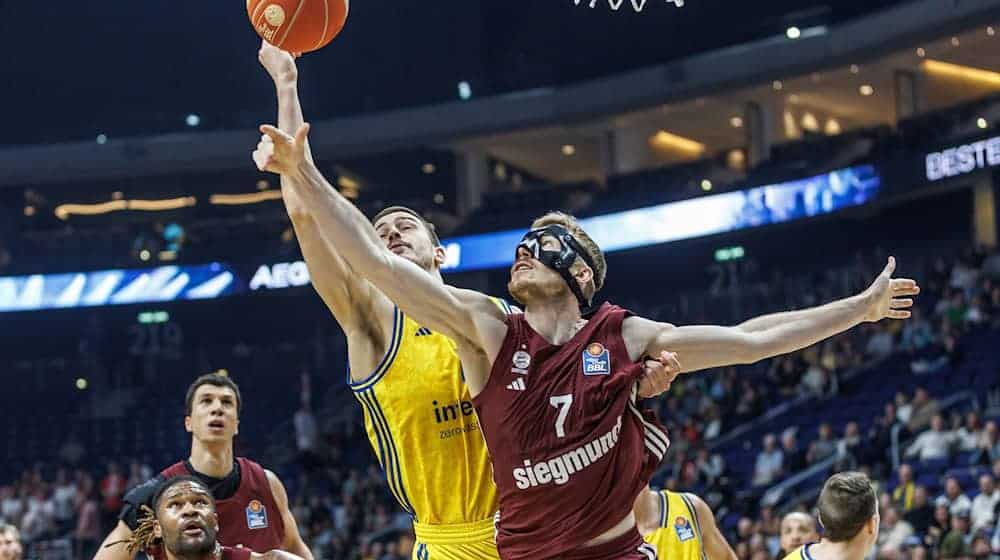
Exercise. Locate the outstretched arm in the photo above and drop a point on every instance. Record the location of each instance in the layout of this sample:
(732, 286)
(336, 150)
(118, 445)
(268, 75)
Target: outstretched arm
(416, 292)
(702, 347)
(347, 295)
(293, 540)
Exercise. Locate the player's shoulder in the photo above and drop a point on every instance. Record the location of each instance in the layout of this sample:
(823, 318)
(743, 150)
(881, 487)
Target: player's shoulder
(144, 492)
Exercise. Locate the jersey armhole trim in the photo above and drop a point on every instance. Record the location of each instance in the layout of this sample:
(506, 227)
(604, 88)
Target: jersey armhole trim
(390, 356)
(664, 508)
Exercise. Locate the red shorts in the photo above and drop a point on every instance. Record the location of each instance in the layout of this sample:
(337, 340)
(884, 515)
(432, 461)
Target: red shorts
(629, 546)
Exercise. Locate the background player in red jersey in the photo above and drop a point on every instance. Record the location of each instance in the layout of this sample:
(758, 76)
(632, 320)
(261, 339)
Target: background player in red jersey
(252, 503)
(555, 392)
(183, 516)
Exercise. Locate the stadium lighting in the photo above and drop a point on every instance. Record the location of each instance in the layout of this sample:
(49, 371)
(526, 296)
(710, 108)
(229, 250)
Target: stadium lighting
(737, 122)
(428, 168)
(991, 31)
(464, 90)
(866, 90)
(981, 123)
(81, 383)
(777, 85)
(568, 149)
(193, 120)
(706, 185)
(438, 198)
(969, 73)
(921, 52)
(29, 210)
(664, 140)
(144, 255)
(855, 69)
(793, 32)
(102, 139)
(955, 42)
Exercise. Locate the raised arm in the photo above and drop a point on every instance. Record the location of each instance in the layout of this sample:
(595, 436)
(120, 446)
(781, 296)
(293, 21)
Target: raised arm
(468, 320)
(347, 295)
(702, 347)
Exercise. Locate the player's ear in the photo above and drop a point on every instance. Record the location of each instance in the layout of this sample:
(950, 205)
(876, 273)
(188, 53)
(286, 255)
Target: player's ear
(187, 424)
(440, 256)
(157, 530)
(237, 427)
(215, 521)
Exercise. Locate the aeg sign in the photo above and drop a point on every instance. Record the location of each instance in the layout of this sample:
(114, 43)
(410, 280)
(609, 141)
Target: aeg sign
(280, 275)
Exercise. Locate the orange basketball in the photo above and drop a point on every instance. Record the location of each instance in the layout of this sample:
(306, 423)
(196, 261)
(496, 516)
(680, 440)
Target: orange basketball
(298, 26)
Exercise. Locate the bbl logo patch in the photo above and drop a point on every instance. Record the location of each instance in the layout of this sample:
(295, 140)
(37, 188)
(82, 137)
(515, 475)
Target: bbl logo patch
(684, 530)
(256, 515)
(596, 360)
(522, 360)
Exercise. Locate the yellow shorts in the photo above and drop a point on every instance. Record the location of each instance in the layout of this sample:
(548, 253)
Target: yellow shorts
(467, 541)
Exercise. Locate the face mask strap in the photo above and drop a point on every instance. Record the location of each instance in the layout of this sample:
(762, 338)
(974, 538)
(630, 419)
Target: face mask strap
(561, 261)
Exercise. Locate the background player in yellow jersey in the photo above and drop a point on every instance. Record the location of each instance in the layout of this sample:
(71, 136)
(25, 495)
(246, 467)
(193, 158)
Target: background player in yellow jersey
(797, 528)
(848, 513)
(681, 526)
(418, 412)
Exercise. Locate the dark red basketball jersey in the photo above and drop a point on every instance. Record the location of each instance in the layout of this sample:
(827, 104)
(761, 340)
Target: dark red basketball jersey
(570, 448)
(235, 553)
(250, 517)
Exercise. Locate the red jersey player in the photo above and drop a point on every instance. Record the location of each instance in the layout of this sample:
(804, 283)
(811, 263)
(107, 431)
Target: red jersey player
(555, 392)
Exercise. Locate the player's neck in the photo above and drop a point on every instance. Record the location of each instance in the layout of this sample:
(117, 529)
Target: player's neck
(850, 550)
(556, 319)
(215, 554)
(211, 460)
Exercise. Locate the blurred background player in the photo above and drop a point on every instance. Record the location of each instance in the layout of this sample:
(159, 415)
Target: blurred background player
(680, 526)
(183, 517)
(252, 503)
(797, 529)
(848, 512)
(10, 543)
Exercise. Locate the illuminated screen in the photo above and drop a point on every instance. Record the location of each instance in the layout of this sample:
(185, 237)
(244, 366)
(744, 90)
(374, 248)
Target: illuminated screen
(674, 221)
(707, 215)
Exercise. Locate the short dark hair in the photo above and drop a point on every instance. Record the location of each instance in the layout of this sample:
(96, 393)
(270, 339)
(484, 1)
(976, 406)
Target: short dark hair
(170, 483)
(846, 503)
(431, 230)
(218, 380)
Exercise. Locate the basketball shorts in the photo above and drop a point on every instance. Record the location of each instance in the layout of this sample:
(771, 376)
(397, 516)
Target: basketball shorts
(468, 541)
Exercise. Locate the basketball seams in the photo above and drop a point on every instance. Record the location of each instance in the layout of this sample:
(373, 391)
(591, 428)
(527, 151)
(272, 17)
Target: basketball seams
(257, 13)
(326, 25)
(291, 23)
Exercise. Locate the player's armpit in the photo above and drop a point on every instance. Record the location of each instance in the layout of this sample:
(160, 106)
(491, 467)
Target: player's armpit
(293, 542)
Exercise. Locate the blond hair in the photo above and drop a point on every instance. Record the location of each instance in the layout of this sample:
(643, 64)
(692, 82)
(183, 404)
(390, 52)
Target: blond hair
(593, 249)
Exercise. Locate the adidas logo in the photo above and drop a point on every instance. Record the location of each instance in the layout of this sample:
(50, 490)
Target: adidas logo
(517, 385)
(423, 331)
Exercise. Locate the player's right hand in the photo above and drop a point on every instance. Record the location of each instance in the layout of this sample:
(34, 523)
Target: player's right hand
(278, 63)
(659, 375)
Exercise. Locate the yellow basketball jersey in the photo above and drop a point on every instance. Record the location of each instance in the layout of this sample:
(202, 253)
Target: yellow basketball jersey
(800, 553)
(424, 429)
(679, 535)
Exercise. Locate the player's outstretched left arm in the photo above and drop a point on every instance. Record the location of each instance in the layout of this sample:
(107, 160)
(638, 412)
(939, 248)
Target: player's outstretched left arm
(704, 346)
(294, 547)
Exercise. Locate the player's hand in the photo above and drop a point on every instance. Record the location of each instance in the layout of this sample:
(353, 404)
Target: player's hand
(659, 375)
(889, 297)
(279, 152)
(278, 63)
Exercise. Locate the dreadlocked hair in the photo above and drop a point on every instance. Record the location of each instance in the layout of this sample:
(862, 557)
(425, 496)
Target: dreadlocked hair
(143, 538)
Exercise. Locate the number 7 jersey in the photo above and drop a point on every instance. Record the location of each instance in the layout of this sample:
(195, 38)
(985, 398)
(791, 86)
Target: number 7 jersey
(570, 448)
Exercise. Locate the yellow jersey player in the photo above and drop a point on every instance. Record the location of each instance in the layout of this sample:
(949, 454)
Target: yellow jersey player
(680, 526)
(848, 513)
(797, 529)
(408, 379)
